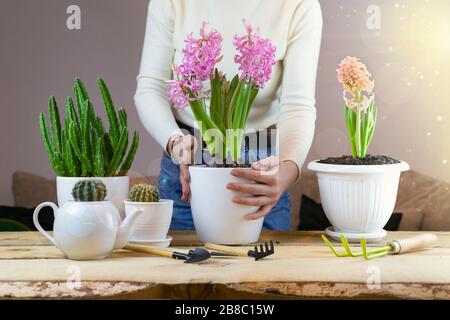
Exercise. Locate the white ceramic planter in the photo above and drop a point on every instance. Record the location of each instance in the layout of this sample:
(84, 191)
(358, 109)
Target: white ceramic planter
(216, 217)
(154, 222)
(358, 200)
(87, 230)
(117, 189)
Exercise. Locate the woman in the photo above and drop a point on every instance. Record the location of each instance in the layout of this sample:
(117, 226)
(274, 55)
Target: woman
(287, 101)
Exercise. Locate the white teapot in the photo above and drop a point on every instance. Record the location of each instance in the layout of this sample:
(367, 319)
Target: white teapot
(88, 230)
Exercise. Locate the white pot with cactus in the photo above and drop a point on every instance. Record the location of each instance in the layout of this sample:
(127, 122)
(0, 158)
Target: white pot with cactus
(358, 192)
(88, 227)
(81, 147)
(154, 223)
(222, 123)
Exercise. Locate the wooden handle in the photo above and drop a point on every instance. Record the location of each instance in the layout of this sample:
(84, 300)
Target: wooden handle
(226, 249)
(410, 244)
(150, 250)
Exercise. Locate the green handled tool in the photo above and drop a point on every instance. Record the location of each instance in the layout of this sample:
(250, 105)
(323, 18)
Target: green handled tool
(392, 247)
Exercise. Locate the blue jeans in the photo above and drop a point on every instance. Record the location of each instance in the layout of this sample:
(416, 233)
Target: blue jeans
(279, 217)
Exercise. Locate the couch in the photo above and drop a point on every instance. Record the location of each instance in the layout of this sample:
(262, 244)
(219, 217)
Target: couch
(423, 201)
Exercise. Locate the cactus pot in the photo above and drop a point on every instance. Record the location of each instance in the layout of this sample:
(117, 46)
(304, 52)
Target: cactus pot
(358, 200)
(117, 190)
(154, 222)
(216, 217)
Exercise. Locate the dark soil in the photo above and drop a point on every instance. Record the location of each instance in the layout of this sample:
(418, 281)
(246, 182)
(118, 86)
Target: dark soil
(228, 165)
(368, 160)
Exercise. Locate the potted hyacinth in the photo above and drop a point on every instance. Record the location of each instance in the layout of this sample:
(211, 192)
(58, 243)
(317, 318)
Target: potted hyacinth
(358, 192)
(222, 123)
(80, 147)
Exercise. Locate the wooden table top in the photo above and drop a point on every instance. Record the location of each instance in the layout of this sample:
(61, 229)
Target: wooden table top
(302, 267)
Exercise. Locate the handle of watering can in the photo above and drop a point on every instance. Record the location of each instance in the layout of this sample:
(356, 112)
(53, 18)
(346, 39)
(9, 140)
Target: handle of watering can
(421, 241)
(227, 249)
(36, 220)
(149, 250)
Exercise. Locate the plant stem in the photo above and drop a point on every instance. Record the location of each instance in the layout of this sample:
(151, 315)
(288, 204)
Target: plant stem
(358, 134)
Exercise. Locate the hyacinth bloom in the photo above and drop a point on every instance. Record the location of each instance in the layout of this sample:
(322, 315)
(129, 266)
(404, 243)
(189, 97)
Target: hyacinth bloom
(360, 109)
(256, 56)
(179, 99)
(200, 58)
(222, 125)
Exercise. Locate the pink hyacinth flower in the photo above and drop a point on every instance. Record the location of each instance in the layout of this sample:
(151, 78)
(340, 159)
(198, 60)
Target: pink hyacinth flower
(200, 58)
(357, 84)
(256, 56)
(179, 99)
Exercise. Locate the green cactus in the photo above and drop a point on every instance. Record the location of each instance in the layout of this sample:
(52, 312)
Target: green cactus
(144, 193)
(82, 147)
(89, 190)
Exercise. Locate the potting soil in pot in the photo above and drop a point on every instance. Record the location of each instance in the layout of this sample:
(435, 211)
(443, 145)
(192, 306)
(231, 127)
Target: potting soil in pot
(368, 160)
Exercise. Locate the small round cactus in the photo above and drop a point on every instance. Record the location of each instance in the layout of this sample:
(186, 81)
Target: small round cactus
(89, 190)
(144, 193)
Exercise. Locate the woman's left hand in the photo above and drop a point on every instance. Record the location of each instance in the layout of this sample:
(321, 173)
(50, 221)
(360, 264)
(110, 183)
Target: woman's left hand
(272, 179)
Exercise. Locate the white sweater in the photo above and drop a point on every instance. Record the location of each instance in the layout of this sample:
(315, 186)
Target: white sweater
(288, 99)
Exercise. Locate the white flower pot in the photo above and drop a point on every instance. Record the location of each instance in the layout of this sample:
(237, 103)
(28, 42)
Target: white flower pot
(216, 217)
(116, 189)
(358, 200)
(154, 222)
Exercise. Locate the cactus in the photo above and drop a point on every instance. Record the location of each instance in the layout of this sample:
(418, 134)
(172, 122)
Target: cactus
(144, 193)
(89, 190)
(82, 147)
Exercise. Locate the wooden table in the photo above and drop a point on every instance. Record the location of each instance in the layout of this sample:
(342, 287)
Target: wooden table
(301, 268)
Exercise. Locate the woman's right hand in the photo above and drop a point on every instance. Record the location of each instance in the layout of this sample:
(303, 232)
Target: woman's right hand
(182, 150)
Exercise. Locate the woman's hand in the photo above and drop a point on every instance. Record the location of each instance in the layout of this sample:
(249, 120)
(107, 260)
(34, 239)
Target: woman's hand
(182, 150)
(272, 179)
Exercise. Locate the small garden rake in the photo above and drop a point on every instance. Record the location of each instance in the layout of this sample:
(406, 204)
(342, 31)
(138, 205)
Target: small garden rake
(393, 247)
(258, 253)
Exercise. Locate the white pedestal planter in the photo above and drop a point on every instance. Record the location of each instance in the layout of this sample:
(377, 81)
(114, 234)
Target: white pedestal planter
(117, 190)
(216, 217)
(358, 199)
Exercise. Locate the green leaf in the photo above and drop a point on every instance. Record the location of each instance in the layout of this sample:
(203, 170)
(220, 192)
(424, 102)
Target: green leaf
(216, 108)
(109, 151)
(72, 163)
(350, 129)
(99, 161)
(247, 105)
(130, 156)
(71, 116)
(231, 106)
(239, 108)
(86, 167)
(86, 146)
(55, 123)
(118, 153)
(122, 118)
(253, 94)
(111, 113)
(53, 157)
(81, 95)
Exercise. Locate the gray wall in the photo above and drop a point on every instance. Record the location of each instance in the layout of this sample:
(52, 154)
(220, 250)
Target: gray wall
(408, 57)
